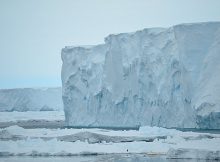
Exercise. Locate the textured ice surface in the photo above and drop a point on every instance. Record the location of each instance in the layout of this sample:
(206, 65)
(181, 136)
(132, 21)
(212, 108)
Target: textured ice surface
(92, 158)
(167, 77)
(193, 154)
(33, 119)
(18, 141)
(30, 99)
(31, 115)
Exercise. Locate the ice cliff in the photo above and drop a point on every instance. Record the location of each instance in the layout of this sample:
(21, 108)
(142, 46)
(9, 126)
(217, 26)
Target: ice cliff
(167, 77)
(29, 99)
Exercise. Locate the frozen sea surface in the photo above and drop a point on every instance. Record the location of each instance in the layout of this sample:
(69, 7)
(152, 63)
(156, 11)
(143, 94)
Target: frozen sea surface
(18, 143)
(100, 158)
(32, 119)
(16, 116)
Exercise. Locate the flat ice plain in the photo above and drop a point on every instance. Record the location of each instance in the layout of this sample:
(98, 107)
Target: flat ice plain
(147, 143)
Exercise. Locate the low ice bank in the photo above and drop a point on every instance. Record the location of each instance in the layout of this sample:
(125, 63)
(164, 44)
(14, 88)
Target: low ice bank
(61, 142)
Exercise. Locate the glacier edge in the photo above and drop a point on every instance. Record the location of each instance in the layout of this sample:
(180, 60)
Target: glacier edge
(158, 76)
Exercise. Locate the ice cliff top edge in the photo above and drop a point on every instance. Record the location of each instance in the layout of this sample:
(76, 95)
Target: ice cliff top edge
(152, 29)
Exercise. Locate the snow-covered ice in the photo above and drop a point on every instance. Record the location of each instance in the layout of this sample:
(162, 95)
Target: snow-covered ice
(47, 142)
(33, 119)
(166, 77)
(31, 115)
(100, 158)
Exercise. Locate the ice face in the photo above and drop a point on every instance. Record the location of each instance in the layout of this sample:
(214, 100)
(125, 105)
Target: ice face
(29, 99)
(165, 77)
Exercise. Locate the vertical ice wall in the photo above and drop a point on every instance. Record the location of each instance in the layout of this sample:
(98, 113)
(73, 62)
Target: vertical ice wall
(159, 76)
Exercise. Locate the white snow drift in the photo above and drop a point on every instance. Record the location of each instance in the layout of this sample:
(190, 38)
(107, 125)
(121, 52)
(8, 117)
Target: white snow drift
(165, 77)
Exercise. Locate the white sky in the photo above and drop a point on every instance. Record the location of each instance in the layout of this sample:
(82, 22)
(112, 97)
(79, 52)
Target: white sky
(32, 32)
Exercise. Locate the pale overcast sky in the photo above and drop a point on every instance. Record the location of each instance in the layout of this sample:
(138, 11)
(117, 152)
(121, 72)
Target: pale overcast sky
(32, 32)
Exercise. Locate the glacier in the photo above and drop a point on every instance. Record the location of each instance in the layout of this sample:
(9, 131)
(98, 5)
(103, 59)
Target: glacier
(166, 77)
(31, 99)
